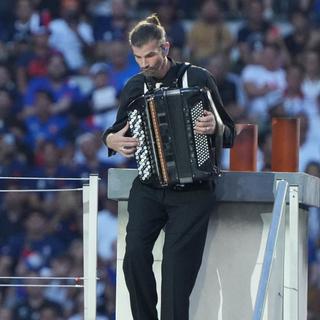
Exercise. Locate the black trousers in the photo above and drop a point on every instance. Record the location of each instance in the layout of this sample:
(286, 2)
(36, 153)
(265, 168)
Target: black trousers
(185, 215)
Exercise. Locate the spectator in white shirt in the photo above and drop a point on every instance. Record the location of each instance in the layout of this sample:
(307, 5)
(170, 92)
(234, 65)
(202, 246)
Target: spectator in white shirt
(71, 35)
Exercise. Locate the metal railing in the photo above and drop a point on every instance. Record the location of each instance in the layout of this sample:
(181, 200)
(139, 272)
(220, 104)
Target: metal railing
(90, 209)
(278, 220)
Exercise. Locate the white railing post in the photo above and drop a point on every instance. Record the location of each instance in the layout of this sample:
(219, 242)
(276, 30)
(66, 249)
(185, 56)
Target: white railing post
(92, 248)
(277, 219)
(85, 201)
(291, 274)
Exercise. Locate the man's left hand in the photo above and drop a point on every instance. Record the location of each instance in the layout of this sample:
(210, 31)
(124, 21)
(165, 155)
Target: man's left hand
(206, 124)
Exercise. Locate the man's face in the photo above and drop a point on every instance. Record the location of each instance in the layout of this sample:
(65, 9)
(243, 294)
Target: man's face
(151, 58)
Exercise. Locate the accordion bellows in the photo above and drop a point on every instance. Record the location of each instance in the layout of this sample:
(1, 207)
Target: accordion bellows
(170, 152)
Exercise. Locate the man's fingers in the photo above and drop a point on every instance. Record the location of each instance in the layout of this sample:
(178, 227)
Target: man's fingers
(124, 129)
(208, 118)
(129, 141)
(129, 144)
(128, 151)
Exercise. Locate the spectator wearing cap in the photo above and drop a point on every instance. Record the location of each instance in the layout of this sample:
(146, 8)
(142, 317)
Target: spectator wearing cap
(71, 35)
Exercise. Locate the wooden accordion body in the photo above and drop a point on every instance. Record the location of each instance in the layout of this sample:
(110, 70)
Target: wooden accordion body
(170, 152)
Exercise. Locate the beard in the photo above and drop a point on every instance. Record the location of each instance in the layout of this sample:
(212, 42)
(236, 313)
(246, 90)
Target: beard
(155, 70)
(150, 72)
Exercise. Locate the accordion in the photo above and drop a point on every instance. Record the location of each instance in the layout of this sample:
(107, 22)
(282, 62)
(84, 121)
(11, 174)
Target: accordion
(170, 152)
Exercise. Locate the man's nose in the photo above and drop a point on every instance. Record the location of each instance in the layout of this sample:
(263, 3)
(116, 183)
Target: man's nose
(144, 63)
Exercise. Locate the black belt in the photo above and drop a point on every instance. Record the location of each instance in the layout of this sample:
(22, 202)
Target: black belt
(198, 185)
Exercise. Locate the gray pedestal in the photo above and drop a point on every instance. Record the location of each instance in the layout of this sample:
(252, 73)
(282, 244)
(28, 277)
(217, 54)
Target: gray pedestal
(227, 283)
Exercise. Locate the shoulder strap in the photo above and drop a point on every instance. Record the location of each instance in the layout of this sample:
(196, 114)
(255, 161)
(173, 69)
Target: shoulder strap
(183, 75)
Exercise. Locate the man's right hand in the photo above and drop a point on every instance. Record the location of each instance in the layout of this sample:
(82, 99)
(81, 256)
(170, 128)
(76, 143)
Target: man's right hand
(126, 146)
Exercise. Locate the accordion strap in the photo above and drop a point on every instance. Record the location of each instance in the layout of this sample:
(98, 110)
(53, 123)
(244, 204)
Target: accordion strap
(182, 75)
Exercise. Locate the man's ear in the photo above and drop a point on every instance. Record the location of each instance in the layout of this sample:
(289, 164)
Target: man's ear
(165, 48)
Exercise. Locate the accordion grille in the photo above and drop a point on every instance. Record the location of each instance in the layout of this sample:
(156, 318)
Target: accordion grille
(142, 154)
(200, 140)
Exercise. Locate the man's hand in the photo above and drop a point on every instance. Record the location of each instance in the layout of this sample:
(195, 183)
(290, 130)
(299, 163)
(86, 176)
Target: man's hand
(126, 146)
(206, 124)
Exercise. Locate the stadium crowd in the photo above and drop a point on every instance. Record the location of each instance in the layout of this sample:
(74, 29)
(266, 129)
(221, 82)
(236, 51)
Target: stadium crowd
(62, 66)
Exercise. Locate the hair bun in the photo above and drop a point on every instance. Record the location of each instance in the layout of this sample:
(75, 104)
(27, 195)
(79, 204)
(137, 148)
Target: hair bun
(153, 19)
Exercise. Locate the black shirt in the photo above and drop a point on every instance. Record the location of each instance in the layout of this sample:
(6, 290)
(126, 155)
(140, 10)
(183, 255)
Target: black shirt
(197, 76)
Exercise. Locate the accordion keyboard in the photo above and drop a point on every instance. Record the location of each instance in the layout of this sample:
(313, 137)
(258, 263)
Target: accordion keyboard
(200, 140)
(142, 153)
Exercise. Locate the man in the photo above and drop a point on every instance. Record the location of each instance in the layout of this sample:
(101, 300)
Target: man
(185, 212)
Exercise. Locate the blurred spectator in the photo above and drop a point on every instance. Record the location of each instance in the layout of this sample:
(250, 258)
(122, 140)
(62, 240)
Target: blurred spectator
(112, 25)
(66, 217)
(309, 149)
(264, 84)
(7, 83)
(168, 15)
(60, 267)
(265, 149)
(26, 20)
(209, 34)
(33, 248)
(43, 125)
(6, 314)
(34, 63)
(34, 303)
(103, 98)
(6, 18)
(47, 164)
(229, 84)
(252, 32)
(72, 35)
(13, 211)
(87, 155)
(50, 312)
(99, 7)
(107, 232)
(122, 66)
(311, 83)
(7, 110)
(48, 8)
(12, 162)
(297, 40)
(294, 100)
(255, 26)
(78, 312)
(64, 92)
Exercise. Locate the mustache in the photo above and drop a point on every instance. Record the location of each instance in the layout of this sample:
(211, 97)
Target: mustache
(147, 69)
